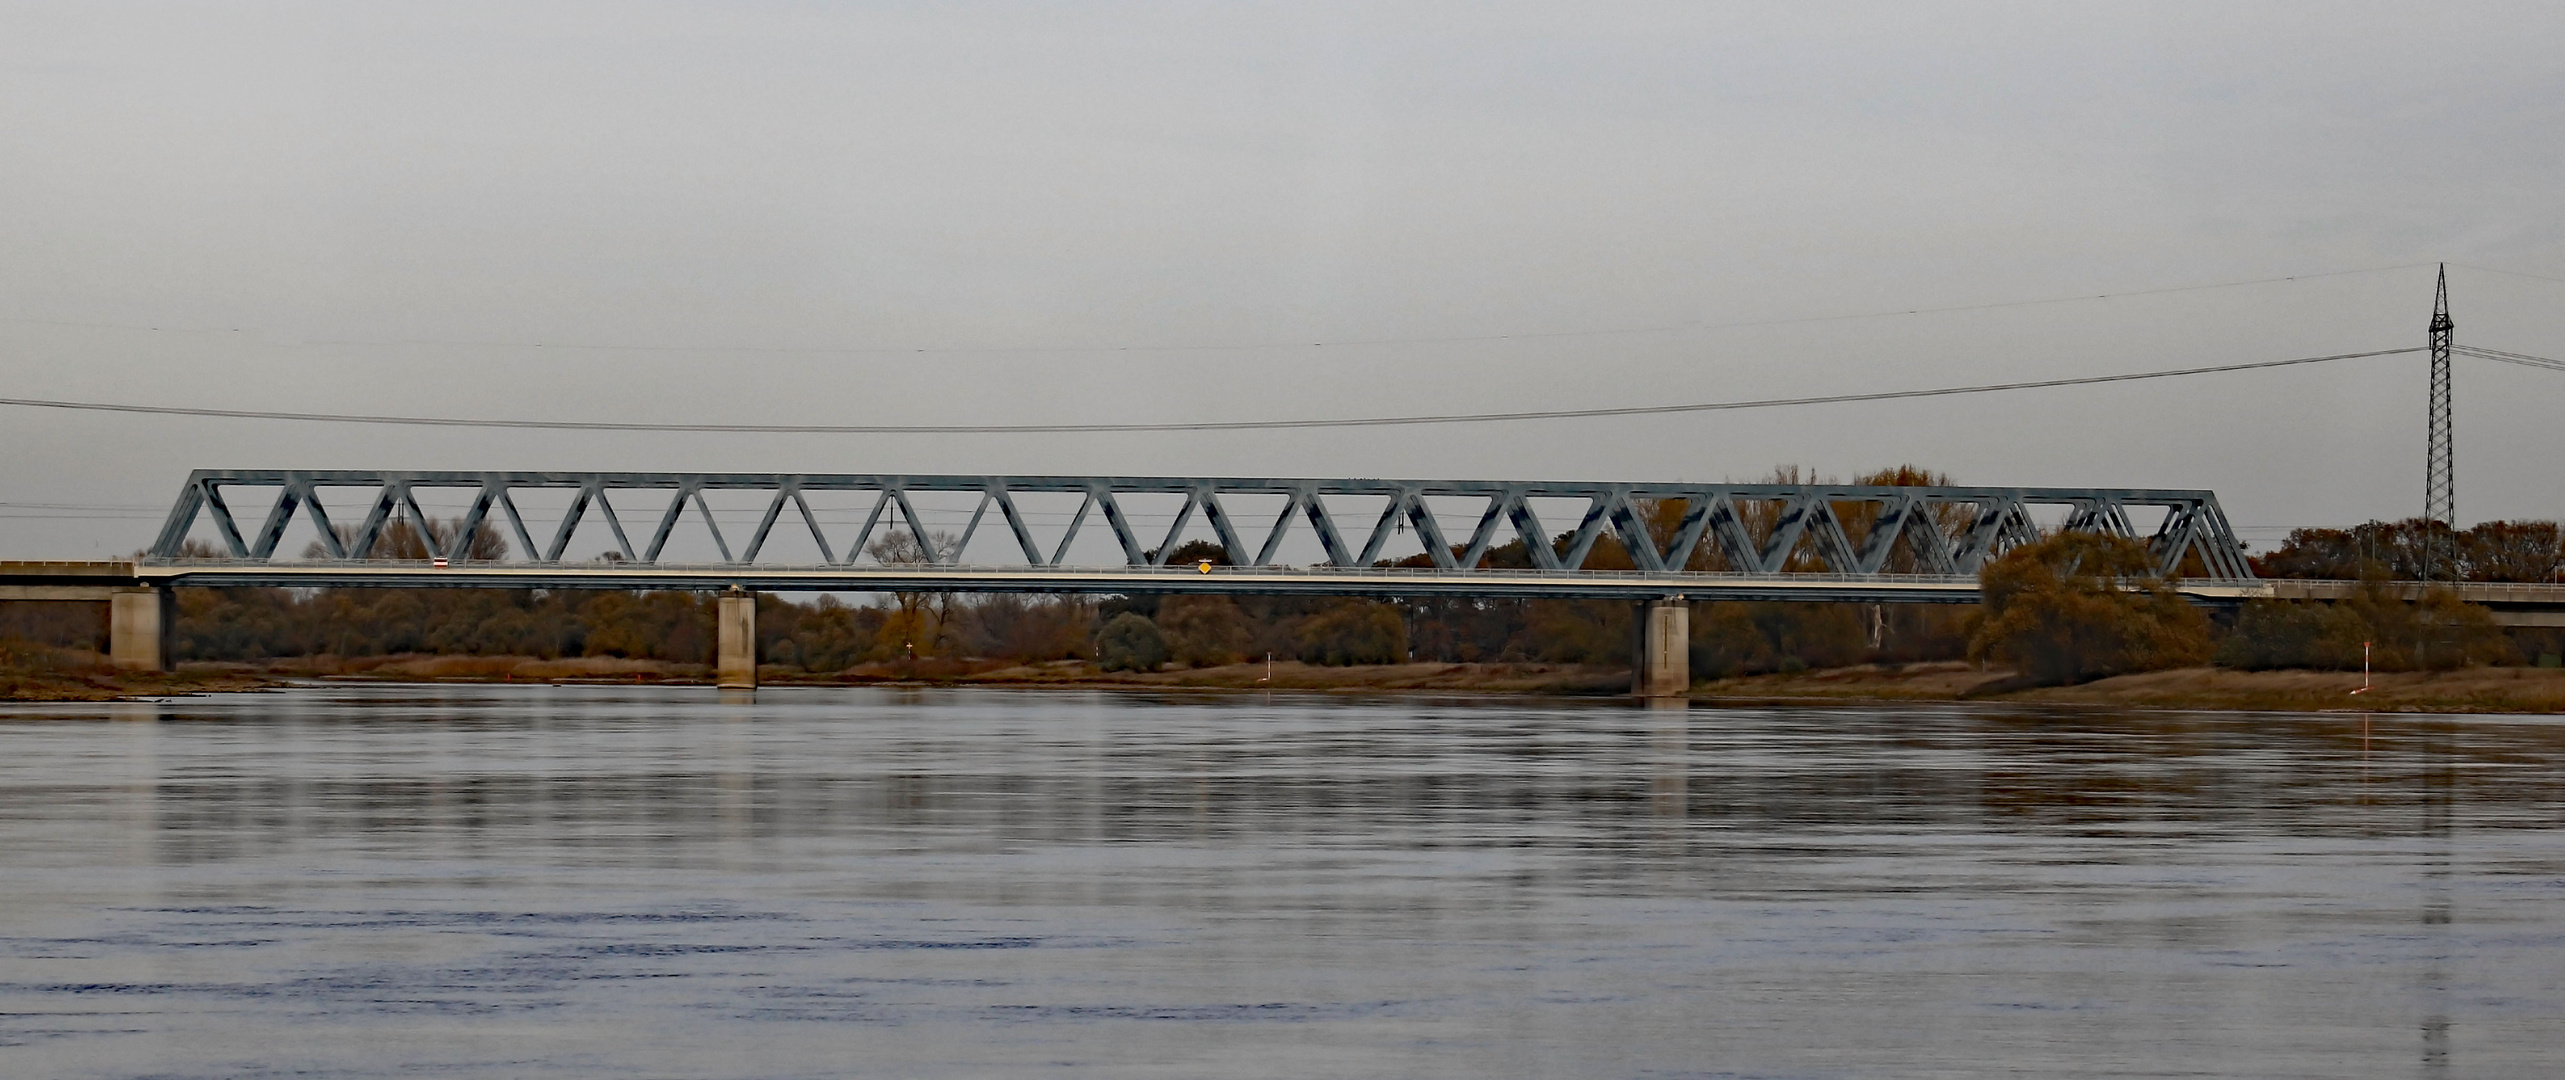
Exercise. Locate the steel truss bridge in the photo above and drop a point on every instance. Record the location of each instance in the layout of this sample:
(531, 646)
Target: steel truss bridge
(1768, 542)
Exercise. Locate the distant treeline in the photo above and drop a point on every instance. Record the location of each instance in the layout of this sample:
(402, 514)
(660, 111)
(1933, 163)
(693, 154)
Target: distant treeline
(2387, 631)
(2522, 551)
(828, 635)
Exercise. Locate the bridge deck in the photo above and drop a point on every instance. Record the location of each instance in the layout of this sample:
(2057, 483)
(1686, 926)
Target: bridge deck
(1316, 580)
(40, 580)
(2513, 604)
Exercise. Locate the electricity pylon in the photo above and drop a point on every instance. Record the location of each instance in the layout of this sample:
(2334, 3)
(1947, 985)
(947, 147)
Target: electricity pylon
(2440, 496)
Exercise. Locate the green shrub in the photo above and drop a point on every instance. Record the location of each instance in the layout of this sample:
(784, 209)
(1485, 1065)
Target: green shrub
(1354, 632)
(2440, 632)
(1130, 643)
(2293, 634)
(1754, 638)
(1203, 631)
(1727, 642)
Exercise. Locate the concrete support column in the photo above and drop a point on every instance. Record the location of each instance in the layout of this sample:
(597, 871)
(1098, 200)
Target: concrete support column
(1661, 649)
(736, 623)
(139, 622)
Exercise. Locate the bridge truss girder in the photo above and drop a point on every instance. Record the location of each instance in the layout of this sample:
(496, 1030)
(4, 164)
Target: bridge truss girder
(1948, 531)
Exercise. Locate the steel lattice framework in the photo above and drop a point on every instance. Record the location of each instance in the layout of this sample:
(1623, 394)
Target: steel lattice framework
(1805, 534)
(2440, 453)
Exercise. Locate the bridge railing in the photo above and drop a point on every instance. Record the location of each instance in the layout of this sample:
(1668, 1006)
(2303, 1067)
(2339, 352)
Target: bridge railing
(924, 577)
(1751, 529)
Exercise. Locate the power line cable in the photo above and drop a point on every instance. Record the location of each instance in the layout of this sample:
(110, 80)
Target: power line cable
(1219, 425)
(1454, 339)
(2522, 359)
(75, 506)
(2510, 273)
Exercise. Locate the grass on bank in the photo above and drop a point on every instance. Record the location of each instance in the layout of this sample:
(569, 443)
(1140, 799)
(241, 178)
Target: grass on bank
(44, 673)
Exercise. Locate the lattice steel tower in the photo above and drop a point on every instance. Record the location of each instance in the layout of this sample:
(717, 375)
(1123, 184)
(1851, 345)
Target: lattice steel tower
(2440, 496)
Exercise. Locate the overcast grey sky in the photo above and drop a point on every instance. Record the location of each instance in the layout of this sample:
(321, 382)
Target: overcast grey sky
(744, 212)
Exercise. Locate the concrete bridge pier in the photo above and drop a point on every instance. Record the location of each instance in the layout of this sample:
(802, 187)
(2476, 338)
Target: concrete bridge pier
(735, 622)
(139, 622)
(1660, 649)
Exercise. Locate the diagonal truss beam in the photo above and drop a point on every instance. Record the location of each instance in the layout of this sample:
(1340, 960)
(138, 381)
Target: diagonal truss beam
(1663, 527)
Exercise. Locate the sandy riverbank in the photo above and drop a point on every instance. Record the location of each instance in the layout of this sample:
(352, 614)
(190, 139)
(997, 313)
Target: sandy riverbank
(76, 675)
(2484, 689)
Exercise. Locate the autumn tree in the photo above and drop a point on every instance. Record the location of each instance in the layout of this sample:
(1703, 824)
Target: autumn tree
(917, 625)
(399, 540)
(2081, 605)
(1026, 628)
(2414, 549)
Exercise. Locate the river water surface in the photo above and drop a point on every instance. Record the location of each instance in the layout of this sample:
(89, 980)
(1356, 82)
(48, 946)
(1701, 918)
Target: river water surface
(461, 881)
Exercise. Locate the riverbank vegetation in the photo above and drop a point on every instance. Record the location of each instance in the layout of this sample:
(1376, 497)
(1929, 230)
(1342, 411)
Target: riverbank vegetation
(31, 672)
(2079, 606)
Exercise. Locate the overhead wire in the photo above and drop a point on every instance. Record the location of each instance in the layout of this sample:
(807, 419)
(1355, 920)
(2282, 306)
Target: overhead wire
(2522, 359)
(1451, 339)
(2510, 273)
(1444, 339)
(1174, 426)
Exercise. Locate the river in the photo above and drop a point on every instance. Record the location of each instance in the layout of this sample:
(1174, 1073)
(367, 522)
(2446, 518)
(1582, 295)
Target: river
(505, 881)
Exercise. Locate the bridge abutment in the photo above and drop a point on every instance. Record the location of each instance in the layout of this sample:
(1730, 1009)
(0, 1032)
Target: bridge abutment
(735, 623)
(1661, 649)
(139, 623)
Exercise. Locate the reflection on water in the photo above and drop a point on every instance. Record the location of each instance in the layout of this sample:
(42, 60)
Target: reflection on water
(508, 881)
